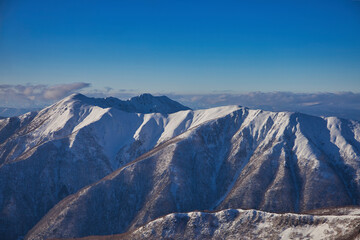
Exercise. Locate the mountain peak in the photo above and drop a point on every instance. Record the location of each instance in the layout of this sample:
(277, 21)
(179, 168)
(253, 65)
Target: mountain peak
(144, 95)
(76, 96)
(80, 97)
(145, 98)
(147, 103)
(144, 103)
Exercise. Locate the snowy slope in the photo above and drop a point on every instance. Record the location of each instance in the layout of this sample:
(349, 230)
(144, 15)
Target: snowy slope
(160, 157)
(47, 155)
(248, 224)
(252, 159)
(244, 224)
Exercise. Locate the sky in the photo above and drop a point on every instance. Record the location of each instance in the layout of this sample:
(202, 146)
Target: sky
(51, 48)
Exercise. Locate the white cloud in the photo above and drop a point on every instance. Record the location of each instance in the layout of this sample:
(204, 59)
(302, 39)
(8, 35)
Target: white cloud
(36, 95)
(60, 91)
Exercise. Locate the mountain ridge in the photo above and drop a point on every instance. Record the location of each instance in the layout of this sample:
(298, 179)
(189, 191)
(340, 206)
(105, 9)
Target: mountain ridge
(71, 144)
(144, 103)
(173, 179)
(238, 158)
(245, 224)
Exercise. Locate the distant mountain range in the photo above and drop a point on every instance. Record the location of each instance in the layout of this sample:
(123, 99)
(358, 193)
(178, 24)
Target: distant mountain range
(87, 166)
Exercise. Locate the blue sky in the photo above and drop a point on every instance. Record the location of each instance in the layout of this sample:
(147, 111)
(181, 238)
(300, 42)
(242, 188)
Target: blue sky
(183, 46)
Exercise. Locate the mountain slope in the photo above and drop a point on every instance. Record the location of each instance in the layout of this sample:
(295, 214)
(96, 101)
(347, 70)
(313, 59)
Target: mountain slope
(244, 224)
(277, 162)
(47, 155)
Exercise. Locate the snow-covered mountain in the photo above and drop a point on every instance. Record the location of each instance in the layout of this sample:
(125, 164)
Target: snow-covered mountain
(157, 157)
(47, 155)
(247, 225)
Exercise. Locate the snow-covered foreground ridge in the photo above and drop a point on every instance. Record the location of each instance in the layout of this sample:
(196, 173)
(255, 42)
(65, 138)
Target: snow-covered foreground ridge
(245, 224)
(47, 155)
(158, 157)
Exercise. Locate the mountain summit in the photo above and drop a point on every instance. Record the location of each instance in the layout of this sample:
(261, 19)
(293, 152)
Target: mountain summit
(144, 103)
(49, 154)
